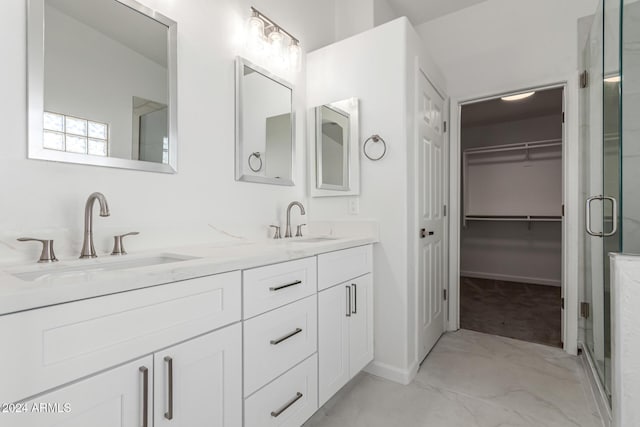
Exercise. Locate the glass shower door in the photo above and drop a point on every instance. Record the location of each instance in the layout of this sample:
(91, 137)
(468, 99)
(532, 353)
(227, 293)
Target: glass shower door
(601, 181)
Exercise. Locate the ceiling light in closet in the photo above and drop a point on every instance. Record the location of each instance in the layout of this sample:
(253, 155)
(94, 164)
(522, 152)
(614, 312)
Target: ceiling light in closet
(517, 97)
(613, 79)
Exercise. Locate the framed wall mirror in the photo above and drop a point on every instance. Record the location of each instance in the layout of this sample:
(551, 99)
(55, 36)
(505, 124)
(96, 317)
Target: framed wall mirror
(335, 160)
(265, 126)
(102, 84)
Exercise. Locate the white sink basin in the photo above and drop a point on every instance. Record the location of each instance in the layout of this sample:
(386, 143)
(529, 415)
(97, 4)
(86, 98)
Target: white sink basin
(83, 267)
(313, 239)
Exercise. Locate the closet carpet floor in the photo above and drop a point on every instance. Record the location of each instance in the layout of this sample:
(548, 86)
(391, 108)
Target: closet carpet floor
(515, 310)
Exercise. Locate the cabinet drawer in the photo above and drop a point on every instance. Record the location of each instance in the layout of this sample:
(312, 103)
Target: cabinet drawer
(58, 344)
(289, 401)
(273, 286)
(340, 266)
(278, 340)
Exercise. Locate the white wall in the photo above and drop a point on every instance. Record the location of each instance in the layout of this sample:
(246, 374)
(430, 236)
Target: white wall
(46, 199)
(512, 251)
(356, 16)
(483, 53)
(355, 67)
(103, 75)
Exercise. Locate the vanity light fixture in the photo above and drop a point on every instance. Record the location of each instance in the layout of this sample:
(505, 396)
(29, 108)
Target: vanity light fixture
(265, 36)
(518, 97)
(613, 79)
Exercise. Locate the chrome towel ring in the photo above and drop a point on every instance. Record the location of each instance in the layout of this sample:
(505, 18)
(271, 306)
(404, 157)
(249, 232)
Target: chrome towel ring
(376, 139)
(257, 155)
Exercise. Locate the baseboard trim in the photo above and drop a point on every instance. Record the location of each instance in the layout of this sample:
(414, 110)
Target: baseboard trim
(510, 278)
(597, 390)
(393, 373)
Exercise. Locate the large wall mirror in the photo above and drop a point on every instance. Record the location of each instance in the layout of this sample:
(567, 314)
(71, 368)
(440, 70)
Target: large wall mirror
(265, 131)
(335, 158)
(102, 84)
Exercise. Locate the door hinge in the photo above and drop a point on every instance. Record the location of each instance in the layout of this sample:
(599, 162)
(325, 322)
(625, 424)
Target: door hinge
(584, 79)
(444, 294)
(563, 117)
(444, 210)
(563, 211)
(444, 125)
(562, 303)
(585, 310)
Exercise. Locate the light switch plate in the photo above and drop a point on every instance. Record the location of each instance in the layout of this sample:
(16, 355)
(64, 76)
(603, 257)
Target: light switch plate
(354, 205)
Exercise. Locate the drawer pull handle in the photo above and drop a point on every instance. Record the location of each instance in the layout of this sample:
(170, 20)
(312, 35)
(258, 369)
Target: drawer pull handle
(277, 288)
(145, 395)
(169, 414)
(355, 299)
(348, 301)
(286, 337)
(276, 414)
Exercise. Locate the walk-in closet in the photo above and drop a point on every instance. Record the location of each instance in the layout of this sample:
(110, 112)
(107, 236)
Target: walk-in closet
(511, 234)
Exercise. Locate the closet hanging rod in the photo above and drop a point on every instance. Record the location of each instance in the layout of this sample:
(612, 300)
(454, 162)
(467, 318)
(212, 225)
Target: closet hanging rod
(515, 147)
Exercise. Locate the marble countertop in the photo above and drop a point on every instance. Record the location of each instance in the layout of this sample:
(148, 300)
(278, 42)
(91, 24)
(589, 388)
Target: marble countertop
(19, 295)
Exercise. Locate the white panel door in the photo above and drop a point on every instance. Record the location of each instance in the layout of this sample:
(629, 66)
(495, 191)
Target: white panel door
(115, 398)
(431, 221)
(333, 340)
(361, 324)
(199, 382)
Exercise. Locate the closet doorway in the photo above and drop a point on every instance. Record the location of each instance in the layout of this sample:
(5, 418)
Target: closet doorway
(511, 230)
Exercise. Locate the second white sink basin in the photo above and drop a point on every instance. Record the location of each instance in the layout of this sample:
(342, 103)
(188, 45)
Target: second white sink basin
(83, 267)
(313, 239)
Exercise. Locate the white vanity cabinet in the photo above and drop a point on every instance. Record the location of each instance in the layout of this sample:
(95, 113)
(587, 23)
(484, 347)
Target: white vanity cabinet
(198, 382)
(345, 323)
(115, 398)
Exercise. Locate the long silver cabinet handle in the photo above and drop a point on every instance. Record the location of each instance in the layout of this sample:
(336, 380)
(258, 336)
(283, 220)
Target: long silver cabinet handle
(587, 220)
(614, 213)
(277, 288)
(169, 414)
(145, 395)
(276, 413)
(355, 299)
(286, 337)
(348, 300)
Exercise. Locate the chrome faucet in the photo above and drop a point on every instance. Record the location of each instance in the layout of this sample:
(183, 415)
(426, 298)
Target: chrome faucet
(292, 204)
(88, 251)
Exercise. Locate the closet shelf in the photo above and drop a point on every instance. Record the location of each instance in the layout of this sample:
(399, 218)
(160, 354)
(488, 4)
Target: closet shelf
(513, 218)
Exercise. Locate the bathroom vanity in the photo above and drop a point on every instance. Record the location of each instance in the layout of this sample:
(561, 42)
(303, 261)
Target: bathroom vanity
(255, 334)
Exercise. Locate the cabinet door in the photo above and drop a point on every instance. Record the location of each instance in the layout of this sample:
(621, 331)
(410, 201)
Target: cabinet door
(115, 398)
(333, 340)
(199, 382)
(360, 324)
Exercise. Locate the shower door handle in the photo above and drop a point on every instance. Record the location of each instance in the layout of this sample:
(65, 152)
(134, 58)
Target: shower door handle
(587, 220)
(614, 213)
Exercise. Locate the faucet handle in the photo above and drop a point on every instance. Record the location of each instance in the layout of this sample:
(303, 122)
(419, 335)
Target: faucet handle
(47, 254)
(276, 234)
(118, 246)
(299, 230)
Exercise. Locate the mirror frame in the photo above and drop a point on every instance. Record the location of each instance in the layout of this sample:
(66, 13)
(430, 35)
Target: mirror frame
(318, 188)
(240, 175)
(35, 95)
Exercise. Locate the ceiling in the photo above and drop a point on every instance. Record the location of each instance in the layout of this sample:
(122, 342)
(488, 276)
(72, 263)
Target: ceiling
(543, 103)
(421, 11)
(138, 32)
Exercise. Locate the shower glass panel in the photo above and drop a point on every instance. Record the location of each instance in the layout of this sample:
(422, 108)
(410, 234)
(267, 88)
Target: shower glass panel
(631, 126)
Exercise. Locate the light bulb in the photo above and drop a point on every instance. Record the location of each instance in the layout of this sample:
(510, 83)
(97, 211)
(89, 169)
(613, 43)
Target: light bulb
(295, 56)
(256, 33)
(276, 46)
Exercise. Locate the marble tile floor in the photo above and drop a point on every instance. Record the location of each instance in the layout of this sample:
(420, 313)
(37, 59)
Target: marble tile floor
(472, 379)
